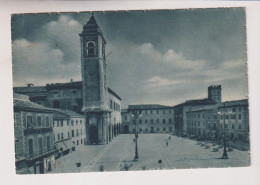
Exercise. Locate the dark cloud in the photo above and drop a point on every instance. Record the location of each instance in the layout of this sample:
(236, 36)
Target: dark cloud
(157, 56)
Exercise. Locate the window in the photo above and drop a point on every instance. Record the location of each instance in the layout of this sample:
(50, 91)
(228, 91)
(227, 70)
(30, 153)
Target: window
(74, 92)
(77, 142)
(239, 109)
(91, 49)
(170, 129)
(47, 121)
(125, 117)
(151, 121)
(163, 120)
(61, 123)
(158, 129)
(157, 121)
(170, 120)
(234, 109)
(61, 135)
(72, 123)
(151, 111)
(140, 121)
(233, 127)
(146, 129)
(77, 132)
(40, 145)
(58, 137)
(239, 126)
(111, 104)
(77, 122)
(146, 121)
(140, 129)
(39, 120)
(72, 133)
(29, 121)
(30, 147)
(164, 129)
(80, 122)
(81, 131)
(226, 116)
(239, 116)
(68, 122)
(157, 111)
(68, 134)
(56, 104)
(81, 141)
(58, 123)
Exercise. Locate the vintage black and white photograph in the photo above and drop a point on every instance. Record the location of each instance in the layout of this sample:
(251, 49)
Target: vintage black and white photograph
(130, 90)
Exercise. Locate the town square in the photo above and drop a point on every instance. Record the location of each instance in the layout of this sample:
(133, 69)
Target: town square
(130, 91)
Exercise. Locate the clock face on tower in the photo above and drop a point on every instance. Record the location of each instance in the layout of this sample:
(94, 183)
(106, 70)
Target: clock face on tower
(92, 80)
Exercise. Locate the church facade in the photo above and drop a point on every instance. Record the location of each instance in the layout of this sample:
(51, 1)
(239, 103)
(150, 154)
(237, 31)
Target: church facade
(90, 97)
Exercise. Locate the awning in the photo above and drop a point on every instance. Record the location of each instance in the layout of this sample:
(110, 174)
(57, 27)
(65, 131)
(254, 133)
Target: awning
(64, 145)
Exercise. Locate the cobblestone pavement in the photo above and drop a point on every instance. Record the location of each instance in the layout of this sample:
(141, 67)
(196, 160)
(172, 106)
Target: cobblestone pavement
(119, 154)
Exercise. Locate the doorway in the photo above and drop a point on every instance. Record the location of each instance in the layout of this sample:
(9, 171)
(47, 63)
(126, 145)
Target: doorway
(93, 134)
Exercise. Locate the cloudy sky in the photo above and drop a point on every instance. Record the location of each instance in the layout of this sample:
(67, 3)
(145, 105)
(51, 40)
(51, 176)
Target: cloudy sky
(163, 57)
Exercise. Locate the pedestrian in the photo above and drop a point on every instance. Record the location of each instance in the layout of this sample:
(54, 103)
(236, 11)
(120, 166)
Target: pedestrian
(169, 138)
(167, 143)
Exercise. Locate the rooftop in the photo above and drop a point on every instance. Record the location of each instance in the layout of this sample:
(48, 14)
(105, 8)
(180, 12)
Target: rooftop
(147, 106)
(205, 101)
(27, 104)
(67, 112)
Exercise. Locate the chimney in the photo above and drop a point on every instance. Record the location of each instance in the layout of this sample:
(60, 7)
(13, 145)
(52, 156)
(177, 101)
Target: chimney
(29, 85)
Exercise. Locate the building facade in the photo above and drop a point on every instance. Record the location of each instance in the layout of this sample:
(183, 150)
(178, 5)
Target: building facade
(34, 147)
(69, 130)
(151, 119)
(214, 97)
(235, 116)
(203, 122)
(229, 118)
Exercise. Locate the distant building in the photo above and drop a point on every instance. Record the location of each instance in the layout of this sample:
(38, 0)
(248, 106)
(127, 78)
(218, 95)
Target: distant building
(153, 119)
(180, 110)
(69, 129)
(34, 147)
(236, 117)
(209, 121)
(90, 97)
(203, 122)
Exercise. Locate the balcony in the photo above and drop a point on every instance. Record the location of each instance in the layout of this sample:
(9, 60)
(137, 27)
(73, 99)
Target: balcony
(37, 130)
(37, 154)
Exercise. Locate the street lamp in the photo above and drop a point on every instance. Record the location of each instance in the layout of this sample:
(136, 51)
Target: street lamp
(136, 115)
(225, 155)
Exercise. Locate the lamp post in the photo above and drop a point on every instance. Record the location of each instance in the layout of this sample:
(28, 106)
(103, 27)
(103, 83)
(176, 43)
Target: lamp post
(224, 155)
(136, 115)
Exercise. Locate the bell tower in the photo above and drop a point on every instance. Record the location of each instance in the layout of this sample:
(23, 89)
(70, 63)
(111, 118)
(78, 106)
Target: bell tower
(93, 65)
(94, 82)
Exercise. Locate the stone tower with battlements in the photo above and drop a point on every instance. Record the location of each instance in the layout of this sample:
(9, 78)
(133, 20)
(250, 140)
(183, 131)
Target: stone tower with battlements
(214, 93)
